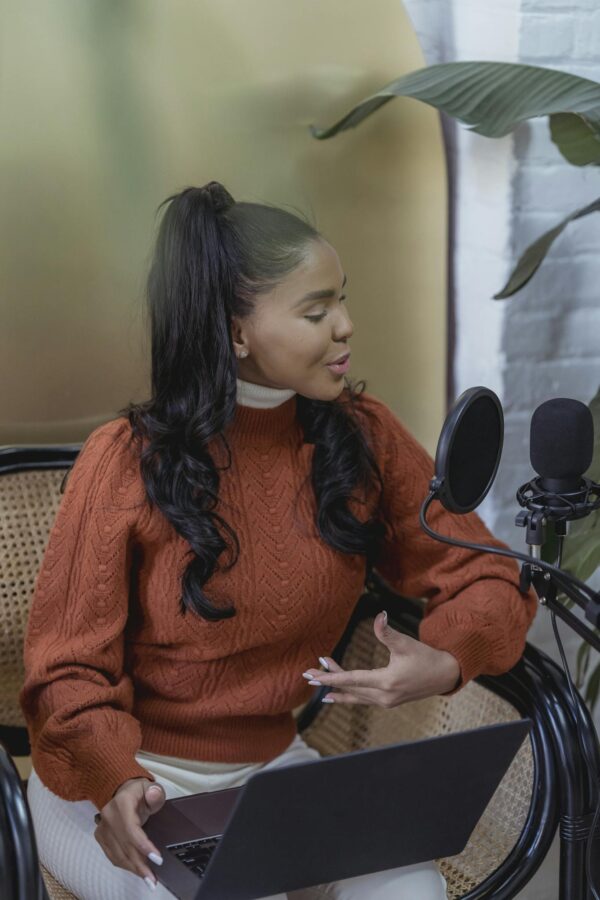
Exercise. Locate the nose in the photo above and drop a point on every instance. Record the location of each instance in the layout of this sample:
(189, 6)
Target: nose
(344, 329)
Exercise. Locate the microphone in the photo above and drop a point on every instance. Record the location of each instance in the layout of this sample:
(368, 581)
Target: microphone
(561, 450)
(561, 443)
(466, 462)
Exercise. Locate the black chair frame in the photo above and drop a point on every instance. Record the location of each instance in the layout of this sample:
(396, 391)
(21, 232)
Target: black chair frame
(19, 864)
(564, 792)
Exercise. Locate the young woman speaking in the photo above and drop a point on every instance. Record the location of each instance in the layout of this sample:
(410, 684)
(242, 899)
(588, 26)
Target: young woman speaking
(212, 543)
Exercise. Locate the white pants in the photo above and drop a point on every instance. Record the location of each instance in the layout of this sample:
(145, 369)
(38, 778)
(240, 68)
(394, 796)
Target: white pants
(67, 847)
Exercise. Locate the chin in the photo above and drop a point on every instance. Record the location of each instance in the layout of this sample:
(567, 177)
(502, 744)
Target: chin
(331, 393)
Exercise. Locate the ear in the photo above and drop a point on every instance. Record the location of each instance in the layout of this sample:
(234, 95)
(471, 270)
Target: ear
(237, 336)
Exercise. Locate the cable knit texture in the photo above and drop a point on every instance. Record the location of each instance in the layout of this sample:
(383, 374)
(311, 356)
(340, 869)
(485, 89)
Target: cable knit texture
(112, 665)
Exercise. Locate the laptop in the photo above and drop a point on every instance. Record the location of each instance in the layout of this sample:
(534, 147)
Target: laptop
(324, 820)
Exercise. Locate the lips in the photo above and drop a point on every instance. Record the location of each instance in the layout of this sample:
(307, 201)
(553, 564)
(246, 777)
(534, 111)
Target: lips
(339, 360)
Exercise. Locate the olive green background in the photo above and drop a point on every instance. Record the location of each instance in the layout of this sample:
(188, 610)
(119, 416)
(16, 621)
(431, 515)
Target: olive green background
(108, 107)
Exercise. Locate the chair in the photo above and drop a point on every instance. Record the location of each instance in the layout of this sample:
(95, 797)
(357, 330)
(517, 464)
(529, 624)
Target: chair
(546, 787)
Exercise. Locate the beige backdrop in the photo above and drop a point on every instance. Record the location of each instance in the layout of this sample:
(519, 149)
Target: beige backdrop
(109, 107)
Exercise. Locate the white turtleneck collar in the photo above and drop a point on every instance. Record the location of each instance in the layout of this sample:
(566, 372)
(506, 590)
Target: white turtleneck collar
(260, 397)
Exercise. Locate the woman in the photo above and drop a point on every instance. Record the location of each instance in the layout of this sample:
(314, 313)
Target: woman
(153, 669)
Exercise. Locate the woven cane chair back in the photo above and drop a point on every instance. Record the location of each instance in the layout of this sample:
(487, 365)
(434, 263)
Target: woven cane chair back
(342, 728)
(55, 890)
(29, 501)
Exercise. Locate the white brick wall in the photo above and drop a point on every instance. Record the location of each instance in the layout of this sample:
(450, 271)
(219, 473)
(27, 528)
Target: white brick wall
(545, 341)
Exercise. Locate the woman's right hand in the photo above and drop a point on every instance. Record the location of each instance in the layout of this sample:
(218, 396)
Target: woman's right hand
(120, 832)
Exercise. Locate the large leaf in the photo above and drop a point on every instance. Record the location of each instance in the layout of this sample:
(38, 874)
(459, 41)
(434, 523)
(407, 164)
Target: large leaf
(532, 258)
(576, 137)
(493, 97)
(583, 661)
(592, 690)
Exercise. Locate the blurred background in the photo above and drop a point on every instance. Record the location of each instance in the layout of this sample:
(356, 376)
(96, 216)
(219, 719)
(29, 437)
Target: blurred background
(110, 106)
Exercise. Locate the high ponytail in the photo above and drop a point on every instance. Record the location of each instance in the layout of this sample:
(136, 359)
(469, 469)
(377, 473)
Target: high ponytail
(213, 257)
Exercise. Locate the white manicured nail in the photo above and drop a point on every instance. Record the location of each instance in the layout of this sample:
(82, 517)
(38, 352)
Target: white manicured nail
(327, 700)
(151, 884)
(318, 683)
(155, 858)
(324, 662)
(306, 675)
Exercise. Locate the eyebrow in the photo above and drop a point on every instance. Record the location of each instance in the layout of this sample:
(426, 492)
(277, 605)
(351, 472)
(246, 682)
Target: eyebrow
(318, 295)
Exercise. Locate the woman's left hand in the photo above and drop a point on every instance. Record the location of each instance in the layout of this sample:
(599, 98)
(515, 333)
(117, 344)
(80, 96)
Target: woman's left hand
(415, 671)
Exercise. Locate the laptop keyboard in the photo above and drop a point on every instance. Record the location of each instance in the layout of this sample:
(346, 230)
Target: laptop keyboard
(195, 854)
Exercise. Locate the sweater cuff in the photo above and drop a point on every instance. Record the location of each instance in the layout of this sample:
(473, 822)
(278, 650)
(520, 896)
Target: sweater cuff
(101, 791)
(107, 768)
(94, 776)
(471, 650)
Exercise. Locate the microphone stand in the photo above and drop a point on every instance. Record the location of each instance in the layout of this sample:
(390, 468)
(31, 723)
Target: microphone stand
(578, 822)
(546, 583)
(535, 571)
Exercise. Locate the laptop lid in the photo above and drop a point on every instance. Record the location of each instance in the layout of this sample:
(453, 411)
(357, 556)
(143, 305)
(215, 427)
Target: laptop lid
(325, 820)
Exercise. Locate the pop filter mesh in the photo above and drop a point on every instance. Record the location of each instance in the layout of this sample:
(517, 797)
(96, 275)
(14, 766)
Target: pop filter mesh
(474, 453)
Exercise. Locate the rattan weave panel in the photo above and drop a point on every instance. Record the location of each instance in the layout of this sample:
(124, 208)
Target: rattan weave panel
(28, 505)
(345, 727)
(55, 890)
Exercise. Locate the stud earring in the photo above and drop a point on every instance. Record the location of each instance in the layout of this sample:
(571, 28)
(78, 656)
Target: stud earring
(243, 354)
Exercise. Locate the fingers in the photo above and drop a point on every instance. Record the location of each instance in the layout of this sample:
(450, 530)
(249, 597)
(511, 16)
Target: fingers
(367, 686)
(336, 697)
(358, 678)
(370, 696)
(154, 798)
(330, 664)
(120, 832)
(124, 854)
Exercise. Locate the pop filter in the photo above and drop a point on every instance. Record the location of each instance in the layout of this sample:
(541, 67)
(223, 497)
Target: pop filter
(468, 450)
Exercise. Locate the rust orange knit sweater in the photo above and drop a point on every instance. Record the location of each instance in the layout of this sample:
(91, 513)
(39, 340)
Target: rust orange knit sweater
(111, 664)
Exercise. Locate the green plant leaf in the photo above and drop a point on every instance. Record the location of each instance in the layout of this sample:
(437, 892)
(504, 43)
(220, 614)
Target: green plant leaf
(493, 98)
(576, 137)
(593, 688)
(583, 660)
(549, 551)
(532, 258)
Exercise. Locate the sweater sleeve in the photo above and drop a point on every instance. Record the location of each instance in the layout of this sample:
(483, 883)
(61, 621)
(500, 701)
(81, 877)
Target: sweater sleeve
(77, 697)
(474, 608)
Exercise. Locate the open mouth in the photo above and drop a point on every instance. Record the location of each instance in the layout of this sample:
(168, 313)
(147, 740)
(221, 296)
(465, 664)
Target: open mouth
(342, 366)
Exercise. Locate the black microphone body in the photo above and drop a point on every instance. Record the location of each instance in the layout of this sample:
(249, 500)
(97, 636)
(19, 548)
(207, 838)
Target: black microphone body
(561, 450)
(562, 442)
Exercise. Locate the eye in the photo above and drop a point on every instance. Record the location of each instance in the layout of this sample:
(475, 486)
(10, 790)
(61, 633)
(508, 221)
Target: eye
(322, 315)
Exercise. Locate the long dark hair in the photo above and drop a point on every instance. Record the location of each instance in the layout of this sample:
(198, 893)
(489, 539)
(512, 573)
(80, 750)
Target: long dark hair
(213, 256)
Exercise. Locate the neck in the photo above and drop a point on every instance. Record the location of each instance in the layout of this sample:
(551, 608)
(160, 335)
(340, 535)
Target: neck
(260, 397)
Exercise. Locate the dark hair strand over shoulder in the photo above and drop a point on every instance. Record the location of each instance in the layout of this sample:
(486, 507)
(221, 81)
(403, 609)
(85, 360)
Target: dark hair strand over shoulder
(213, 256)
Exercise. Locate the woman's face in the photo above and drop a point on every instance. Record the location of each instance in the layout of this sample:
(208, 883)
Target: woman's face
(290, 339)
